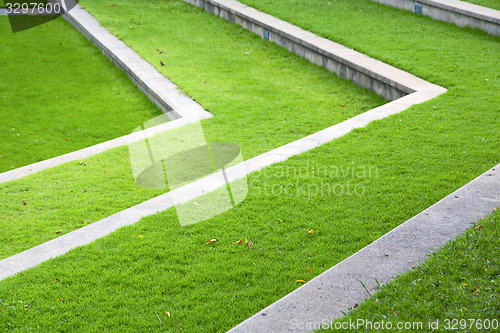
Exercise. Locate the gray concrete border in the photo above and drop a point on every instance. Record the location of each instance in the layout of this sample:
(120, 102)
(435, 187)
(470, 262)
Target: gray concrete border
(178, 107)
(452, 11)
(99, 229)
(90, 151)
(381, 78)
(325, 297)
(158, 88)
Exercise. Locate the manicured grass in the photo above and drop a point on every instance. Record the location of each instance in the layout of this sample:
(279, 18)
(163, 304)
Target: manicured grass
(43, 206)
(300, 99)
(58, 94)
(458, 282)
(495, 4)
(124, 282)
(262, 96)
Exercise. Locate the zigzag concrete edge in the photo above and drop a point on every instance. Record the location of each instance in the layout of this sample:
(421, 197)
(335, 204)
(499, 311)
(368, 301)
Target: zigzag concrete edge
(166, 95)
(452, 11)
(423, 91)
(158, 88)
(323, 299)
(90, 151)
(375, 75)
(59, 246)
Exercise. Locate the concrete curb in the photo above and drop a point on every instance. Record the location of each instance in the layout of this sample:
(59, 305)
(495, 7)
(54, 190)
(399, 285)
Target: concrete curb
(322, 299)
(182, 109)
(159, 89)
(56, 247)
(423, 91)
(381, 78)
(452, 11)
(90, 151)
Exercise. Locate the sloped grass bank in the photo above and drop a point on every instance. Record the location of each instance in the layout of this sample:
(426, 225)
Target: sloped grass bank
(53, 202)
(58, 94)
(261, 95)
(299, 99)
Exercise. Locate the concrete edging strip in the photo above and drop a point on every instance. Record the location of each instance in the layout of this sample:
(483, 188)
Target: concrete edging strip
(99, 229)
(178, 107)
(90, 151)
(323, 298)
(377, 76)
(158, 88)
(452, 11)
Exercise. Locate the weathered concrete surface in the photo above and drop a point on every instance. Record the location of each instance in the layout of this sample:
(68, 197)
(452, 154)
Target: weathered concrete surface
(453, 11)
(385, 80)
(322, 299)
(158, 88)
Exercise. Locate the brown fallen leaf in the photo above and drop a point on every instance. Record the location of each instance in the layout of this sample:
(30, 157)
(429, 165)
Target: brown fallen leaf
(2, 155)
(308, 270)
(473, 291)
(392, 312)
(81, 162)
(58, 232)
(211, 241)
(24, 202)
(26, 306)
(249, 244)
(111, 5)
(161, 63)
(168, 313)
(65, 139)
(478, 227)
(311, 231)
(239, 242)
(85, 191)
(300, 281)
(62, 300)
(56, 280)
(23, 274)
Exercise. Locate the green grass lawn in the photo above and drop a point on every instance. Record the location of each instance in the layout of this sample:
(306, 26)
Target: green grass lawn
(267, 110)
(261, 95)
(53, 202)
(129, 280)
(457, 282)
(58, 94)
(495, 4)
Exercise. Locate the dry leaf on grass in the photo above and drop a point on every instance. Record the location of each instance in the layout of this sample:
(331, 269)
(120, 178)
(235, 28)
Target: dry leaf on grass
(300, 281)
(211, 241)
(311, 231)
